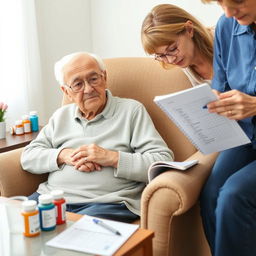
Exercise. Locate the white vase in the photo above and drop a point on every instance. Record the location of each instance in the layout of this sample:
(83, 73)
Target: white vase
(2, 130)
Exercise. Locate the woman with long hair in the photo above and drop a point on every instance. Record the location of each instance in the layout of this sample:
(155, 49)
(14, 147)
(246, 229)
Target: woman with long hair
(176, 37)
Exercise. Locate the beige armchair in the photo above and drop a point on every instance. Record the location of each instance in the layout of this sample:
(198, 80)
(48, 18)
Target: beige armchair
(170, 201)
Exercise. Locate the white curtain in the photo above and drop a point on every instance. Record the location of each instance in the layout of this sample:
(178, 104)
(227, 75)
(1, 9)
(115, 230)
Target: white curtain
(20, 70)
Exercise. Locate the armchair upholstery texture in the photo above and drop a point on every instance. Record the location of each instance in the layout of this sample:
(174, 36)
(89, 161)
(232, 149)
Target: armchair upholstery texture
(170, 202)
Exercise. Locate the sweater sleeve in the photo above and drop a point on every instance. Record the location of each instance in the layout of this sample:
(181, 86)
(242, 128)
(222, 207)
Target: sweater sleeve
(147, 147)
(40, 156)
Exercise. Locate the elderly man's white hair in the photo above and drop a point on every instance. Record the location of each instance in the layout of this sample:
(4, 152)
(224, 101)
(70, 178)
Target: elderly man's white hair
(58, 67)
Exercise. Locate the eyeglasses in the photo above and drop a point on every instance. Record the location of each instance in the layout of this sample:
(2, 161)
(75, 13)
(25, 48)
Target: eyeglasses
(93, 81)
(170, 54)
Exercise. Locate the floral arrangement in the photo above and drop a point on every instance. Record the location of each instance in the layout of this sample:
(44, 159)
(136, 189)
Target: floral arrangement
(3, 108)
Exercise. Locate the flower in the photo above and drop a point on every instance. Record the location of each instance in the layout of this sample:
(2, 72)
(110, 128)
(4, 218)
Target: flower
(3, 108)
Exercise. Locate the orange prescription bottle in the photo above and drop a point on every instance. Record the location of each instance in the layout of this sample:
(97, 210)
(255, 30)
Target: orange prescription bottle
(26, 124)
(60, 206)
(19, 129)
(31, 218)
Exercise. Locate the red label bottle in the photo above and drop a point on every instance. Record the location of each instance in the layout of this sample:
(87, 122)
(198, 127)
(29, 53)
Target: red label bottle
(60, 206)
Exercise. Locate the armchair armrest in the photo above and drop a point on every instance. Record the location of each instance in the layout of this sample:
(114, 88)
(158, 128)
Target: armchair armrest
(173, 193)
(13, 179)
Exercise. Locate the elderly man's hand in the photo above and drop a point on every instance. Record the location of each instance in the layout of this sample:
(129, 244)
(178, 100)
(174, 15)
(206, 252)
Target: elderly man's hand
(85, 166)
(64, 156)
(93, 154)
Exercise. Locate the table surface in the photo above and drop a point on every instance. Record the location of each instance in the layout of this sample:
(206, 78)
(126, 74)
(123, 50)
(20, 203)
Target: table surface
(16, 141)
(13, 243)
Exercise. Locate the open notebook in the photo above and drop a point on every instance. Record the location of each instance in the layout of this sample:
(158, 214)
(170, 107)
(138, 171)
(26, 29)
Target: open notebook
(159, 167)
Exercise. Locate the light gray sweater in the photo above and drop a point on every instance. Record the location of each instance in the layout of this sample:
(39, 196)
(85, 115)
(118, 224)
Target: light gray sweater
(124, 126)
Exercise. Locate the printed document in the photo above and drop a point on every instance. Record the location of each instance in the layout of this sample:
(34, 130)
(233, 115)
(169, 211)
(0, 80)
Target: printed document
(86, 236)
(209, 132)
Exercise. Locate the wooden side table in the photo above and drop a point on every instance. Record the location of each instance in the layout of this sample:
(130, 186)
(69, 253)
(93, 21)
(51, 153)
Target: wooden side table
(16, 141)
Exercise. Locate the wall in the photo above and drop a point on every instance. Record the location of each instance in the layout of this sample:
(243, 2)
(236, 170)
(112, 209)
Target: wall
(116, 23)
(110, 28)
(63, 27)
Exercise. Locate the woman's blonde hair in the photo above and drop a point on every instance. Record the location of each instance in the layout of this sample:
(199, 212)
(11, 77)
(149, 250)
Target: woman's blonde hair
(208, 1)
(166, 22)
(231, 2)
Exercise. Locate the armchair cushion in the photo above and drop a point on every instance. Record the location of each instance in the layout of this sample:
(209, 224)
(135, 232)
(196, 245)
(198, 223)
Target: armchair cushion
(13, 179)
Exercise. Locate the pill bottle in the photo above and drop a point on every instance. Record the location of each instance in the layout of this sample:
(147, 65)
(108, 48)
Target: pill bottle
(46, 212)
(31, 218)
(19, 129)
(26, 123)
(12, 129)
(34, 121)
(60, 206)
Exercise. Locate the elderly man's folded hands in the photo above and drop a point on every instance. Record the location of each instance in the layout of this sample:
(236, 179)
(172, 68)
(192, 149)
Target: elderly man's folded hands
(88, 158)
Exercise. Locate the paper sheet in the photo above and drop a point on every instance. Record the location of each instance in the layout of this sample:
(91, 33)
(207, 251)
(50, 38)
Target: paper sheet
(86, 236)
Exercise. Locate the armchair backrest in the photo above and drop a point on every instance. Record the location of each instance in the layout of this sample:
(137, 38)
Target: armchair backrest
(142, 79)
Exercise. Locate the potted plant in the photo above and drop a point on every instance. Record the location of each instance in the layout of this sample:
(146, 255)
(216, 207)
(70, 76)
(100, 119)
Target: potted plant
(3, 108)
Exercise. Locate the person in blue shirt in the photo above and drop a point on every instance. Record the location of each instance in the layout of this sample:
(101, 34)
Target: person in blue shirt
(228, 199)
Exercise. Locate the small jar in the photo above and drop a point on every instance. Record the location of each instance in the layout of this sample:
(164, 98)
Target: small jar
(31, 218)
(60, 204)
(19, 129)
(26, 123)
(12, 129)
(46, 212)
(34, 121)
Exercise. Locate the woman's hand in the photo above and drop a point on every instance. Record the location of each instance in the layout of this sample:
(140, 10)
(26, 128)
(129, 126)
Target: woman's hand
(233, 104)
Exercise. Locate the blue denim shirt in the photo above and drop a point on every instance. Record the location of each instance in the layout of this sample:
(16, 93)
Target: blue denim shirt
(235, 61)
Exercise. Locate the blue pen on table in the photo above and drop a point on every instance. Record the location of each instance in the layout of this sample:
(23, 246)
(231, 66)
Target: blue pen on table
(104, 225)
(205, 106)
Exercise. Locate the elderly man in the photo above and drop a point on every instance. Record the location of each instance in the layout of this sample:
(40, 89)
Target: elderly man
(98, 149)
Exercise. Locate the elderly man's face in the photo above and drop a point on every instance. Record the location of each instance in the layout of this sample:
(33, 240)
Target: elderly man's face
(91, 98)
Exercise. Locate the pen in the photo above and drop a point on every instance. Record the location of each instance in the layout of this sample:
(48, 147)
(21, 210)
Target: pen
(205, 106)
(104, 225)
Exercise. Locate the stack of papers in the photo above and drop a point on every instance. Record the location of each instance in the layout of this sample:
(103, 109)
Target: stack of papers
(86, 236)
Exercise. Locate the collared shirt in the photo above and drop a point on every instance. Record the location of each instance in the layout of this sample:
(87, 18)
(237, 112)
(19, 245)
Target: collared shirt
(235, 61)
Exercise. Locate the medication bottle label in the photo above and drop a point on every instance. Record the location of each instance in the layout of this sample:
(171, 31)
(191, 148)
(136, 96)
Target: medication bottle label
(56, 211)
(27, 127)
(63, 210)
(19, 130)
(34, 225)
(48, 218)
